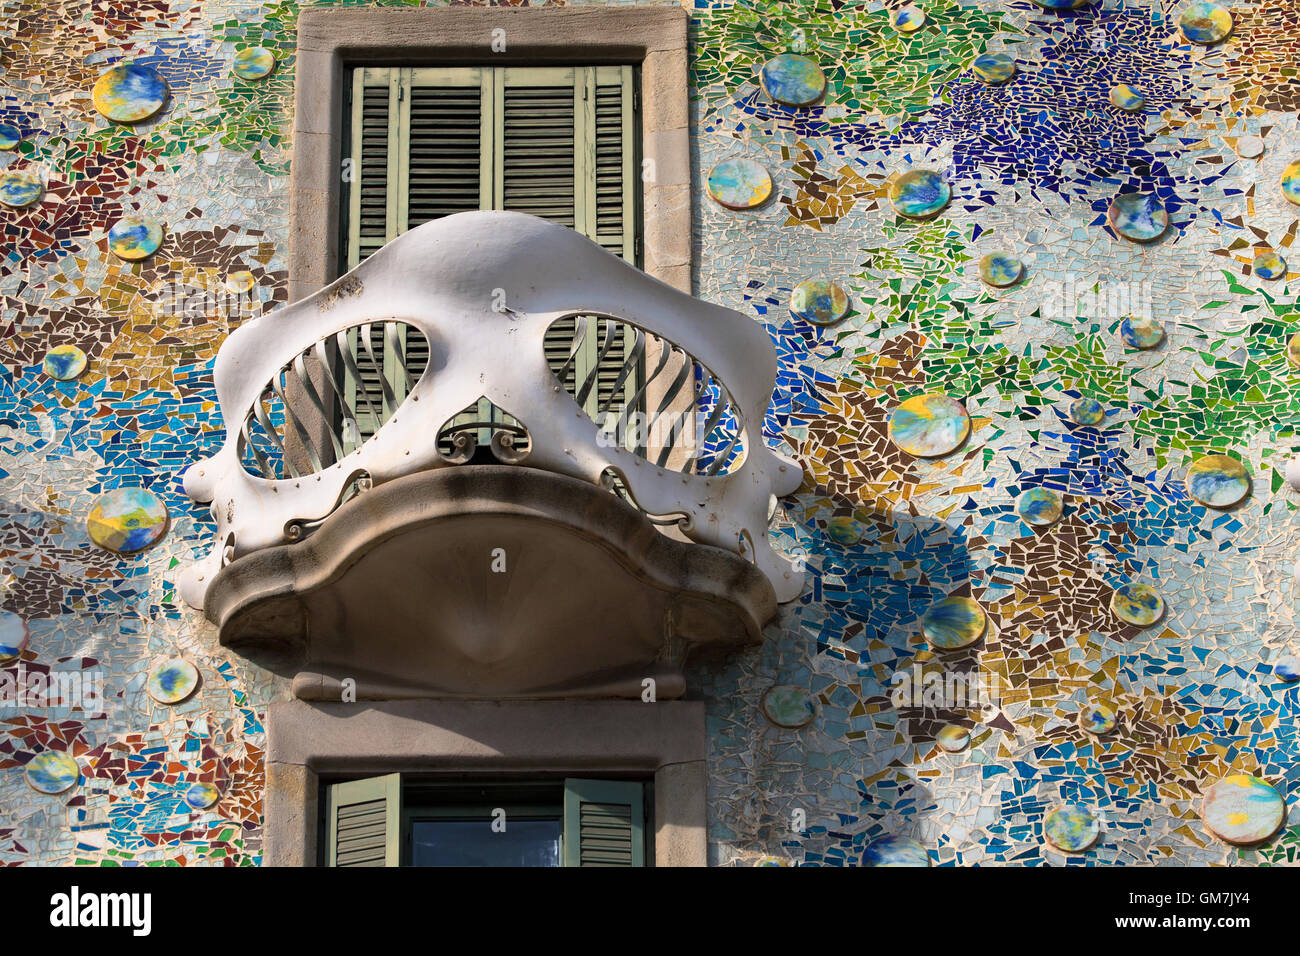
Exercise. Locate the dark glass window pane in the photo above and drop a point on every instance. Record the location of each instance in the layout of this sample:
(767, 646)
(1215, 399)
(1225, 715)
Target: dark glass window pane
(473, 843)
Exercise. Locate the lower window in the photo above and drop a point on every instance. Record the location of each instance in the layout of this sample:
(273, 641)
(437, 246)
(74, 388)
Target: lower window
(401, 820)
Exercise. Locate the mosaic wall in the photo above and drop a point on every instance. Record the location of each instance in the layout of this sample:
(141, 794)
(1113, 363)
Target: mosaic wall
(1049, 539)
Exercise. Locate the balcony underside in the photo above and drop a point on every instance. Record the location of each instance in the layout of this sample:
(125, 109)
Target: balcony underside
(486, 581)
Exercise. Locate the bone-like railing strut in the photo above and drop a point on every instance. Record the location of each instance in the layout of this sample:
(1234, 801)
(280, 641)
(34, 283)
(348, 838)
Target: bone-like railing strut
(615, 388)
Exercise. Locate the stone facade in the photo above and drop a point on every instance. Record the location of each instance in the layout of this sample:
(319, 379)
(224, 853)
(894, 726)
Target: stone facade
(1032, 166)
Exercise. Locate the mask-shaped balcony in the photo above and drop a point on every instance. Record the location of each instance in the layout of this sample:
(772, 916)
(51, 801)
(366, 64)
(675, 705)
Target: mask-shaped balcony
(494, 460)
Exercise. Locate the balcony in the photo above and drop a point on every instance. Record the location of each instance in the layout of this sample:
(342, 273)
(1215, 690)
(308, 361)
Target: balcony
(428, 491)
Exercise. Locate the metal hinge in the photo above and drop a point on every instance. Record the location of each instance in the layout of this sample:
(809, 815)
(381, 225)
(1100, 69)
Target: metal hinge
(636, 100)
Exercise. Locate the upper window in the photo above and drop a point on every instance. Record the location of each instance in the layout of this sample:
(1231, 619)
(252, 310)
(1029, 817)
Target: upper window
(555, 142)
(558, 142)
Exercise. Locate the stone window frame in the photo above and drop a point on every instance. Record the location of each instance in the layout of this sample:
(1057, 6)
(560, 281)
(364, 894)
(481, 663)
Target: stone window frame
(308, 744)
(332, 41)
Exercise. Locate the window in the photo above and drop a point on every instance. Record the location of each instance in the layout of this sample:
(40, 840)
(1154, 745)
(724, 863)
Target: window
(399, 821)
(649, 42)
(558, 142)
(666, 741)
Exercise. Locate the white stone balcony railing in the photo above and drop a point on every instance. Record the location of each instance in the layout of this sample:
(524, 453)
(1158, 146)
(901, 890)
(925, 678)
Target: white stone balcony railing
(682, 444)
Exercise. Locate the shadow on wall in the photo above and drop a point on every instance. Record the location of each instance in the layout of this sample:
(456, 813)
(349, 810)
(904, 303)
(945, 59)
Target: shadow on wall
(875, 694)
(881, 692)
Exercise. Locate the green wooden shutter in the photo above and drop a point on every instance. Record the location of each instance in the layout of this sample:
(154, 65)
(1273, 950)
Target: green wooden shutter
(363, 822)
(613, 194)
(555, 142)
(567, 153)
(448, 150)
(376, 211)
(449, 144)
(604, 823)
(539, 122)
(369, 221)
